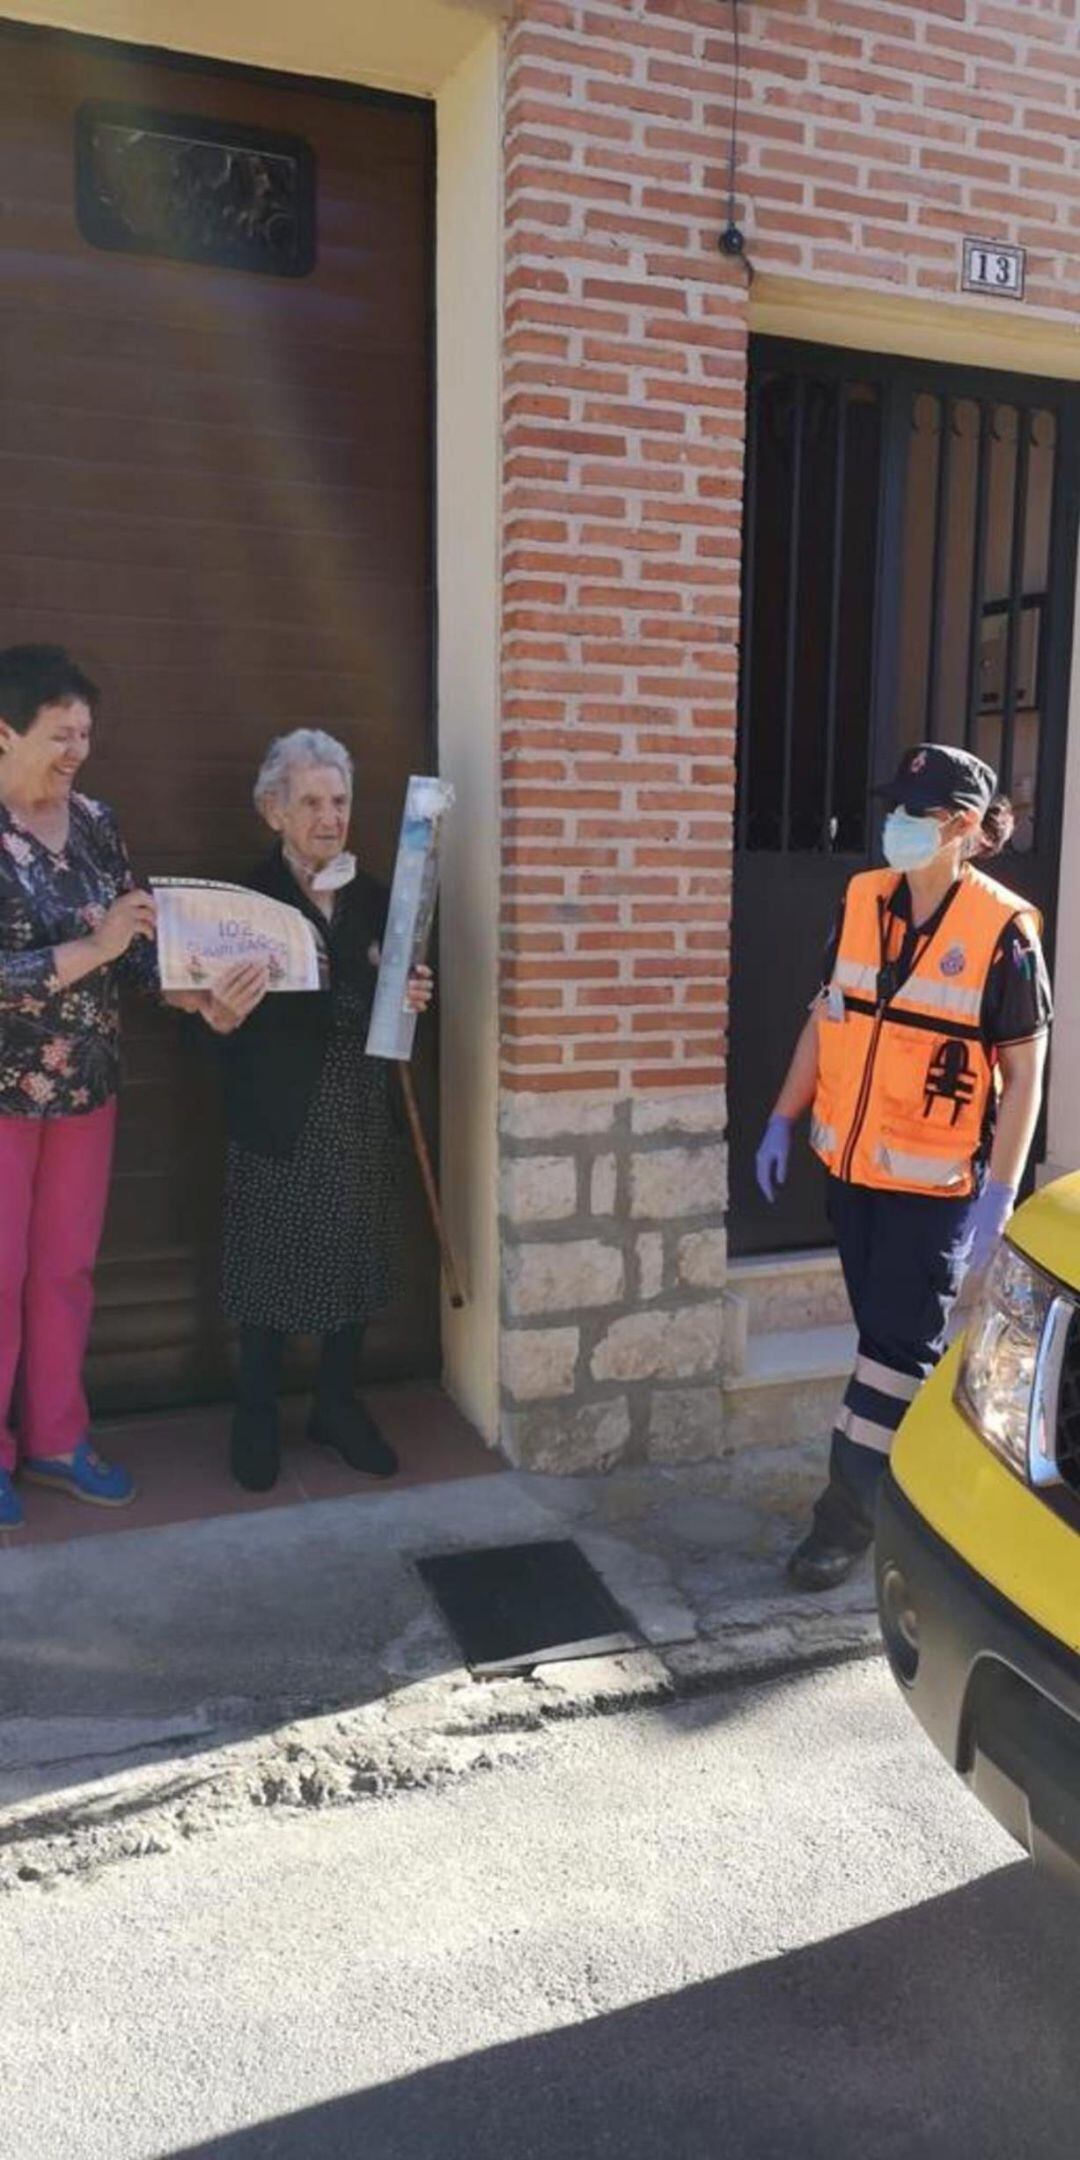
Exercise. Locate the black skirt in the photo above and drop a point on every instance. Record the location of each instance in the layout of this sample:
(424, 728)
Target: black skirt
(310, 1238)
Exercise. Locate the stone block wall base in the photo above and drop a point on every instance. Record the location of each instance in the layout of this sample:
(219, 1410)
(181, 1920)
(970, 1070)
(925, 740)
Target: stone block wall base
(782, 1416)
(614, 1260)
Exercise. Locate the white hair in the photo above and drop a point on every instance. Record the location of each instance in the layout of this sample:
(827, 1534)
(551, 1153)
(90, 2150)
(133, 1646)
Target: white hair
(304, 746)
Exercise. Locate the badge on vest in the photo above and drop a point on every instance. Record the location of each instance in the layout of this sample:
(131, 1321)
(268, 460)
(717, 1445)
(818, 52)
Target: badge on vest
(954, 961)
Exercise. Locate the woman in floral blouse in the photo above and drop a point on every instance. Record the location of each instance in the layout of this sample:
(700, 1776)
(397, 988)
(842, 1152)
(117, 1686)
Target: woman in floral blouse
(72, 926)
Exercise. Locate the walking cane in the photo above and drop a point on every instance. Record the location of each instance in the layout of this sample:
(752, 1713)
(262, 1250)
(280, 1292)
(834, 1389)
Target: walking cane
(412, 1109)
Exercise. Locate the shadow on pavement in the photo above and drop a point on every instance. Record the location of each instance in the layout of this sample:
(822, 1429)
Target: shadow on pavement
(946, 2030)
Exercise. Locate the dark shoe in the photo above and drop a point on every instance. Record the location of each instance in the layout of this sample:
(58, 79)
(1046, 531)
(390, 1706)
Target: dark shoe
(820, 1563)
(255, 1449)
(353, 1434)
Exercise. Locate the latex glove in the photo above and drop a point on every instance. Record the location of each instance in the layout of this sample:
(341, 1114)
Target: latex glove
(989, 1216)
(771, 1160)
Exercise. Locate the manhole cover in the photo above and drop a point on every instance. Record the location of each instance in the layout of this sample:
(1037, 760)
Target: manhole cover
(515, 1606)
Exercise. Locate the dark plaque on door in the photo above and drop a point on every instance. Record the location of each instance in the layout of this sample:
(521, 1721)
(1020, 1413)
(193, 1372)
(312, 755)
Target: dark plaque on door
(194, 190)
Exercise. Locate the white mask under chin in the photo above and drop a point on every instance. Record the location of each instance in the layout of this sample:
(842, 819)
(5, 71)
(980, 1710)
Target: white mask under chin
(334, 875)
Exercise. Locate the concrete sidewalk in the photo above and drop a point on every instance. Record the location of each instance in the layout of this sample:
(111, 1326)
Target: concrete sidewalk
(152, 1684)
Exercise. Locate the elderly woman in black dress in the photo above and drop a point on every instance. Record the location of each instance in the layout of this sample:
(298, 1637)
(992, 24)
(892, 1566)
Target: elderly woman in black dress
(314, 1147)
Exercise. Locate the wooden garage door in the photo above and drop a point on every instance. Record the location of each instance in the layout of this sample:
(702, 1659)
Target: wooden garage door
(217, 488)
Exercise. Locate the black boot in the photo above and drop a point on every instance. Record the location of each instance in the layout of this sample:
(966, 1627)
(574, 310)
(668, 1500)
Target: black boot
(338, 1419)
(255, 1450)
(841, 1534)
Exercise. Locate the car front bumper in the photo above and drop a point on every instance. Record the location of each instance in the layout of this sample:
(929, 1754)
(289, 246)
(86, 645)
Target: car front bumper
(997, 1695)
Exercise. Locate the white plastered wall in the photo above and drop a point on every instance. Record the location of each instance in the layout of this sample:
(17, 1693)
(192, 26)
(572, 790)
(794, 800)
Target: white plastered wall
(412, 46)
(448, 50)
(468, 336)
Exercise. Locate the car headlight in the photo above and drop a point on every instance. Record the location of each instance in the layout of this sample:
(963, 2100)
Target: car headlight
(1007, 1384)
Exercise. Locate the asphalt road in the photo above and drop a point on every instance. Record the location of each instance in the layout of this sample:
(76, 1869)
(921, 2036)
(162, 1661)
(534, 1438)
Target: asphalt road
(770, 1925)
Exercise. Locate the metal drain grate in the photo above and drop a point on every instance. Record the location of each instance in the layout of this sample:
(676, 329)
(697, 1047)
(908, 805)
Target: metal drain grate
(515, 1606)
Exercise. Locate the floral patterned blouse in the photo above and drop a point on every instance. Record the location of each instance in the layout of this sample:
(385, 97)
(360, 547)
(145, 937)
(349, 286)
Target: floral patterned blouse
(59, 1049)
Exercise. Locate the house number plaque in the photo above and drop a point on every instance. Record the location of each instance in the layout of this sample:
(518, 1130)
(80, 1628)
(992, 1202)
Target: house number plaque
(990, 267)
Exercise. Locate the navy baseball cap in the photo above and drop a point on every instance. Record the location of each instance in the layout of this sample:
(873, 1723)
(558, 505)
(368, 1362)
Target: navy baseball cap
(934, 776)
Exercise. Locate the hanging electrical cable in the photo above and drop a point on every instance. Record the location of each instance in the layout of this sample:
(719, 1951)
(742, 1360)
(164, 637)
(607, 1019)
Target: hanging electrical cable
(732, 241)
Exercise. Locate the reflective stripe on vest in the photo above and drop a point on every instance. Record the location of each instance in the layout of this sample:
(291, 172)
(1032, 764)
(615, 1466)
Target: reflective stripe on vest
(918, 991)
(850, 976)
(922, 990)
(929, 1170)
(904, 1089)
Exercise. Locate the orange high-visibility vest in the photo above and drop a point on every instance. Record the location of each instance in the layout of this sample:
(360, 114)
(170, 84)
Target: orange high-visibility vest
(905, 1079)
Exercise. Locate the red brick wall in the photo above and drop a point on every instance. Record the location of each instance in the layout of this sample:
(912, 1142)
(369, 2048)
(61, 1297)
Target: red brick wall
(624, 392)
(876, 135)
(873, 136)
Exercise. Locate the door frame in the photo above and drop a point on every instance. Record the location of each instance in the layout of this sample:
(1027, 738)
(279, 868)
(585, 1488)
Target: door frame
(900, 377)
(111, 1391)
(465, 85)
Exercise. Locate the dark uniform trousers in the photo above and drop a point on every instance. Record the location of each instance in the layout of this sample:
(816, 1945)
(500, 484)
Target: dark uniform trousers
(903, 1256)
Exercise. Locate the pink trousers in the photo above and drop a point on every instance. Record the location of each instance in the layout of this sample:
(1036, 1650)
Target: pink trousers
(54, 1182)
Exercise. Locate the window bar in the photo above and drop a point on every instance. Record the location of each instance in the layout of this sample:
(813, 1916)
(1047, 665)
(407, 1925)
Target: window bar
(833, 683)
(1025, 421)
(897, 402)
(1059, 510)
(941, 510)
(746, 655)
(792, 609)
(978, 570)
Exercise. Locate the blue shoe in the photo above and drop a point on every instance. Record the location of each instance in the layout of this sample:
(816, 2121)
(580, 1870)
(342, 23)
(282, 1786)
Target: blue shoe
(11, 1514)
(85, 1477)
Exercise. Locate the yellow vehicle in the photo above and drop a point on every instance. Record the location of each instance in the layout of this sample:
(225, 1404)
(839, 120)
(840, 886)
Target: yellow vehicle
(977, 1552)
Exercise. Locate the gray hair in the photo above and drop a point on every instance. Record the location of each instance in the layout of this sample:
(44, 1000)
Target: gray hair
(304, 746)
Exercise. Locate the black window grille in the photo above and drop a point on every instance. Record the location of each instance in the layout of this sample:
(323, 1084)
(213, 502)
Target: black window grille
(968, 485)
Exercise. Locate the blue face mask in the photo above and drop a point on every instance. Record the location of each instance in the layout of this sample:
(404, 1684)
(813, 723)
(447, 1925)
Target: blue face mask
(908, 842)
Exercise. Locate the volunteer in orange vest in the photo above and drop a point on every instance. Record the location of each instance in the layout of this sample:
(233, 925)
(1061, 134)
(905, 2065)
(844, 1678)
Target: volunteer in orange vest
(922, 1066)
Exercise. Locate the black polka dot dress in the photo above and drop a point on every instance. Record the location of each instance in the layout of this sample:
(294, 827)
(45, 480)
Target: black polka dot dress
(310, 1239)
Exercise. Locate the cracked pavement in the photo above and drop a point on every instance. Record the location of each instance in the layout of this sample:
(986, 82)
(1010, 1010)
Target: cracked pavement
(163, 1685)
